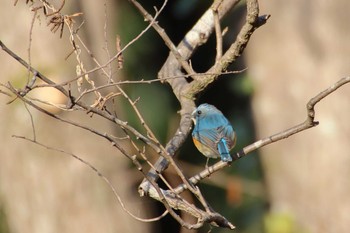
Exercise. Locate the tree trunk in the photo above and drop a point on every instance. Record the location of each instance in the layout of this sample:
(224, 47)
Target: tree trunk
(42, 190)
(301, 51)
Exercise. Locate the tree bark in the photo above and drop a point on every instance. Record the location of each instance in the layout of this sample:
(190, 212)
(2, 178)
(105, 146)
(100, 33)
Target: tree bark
(301, 51)
(43, 190)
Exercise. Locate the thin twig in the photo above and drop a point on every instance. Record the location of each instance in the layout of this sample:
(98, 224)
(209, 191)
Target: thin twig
(141, 81)
(164, 36)
(136, 38)
(58, 10)
(104, 114)
(31, 121)
(30, 43)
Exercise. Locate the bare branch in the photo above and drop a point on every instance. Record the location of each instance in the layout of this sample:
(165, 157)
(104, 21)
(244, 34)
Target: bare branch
(164, 36)
(172, 68)
(115, 57)
(307, 124)
(218, 32)
(253, 21)
(181, 204)
(72, 102)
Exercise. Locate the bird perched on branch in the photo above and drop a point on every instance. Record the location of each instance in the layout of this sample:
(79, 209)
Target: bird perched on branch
(213, 134)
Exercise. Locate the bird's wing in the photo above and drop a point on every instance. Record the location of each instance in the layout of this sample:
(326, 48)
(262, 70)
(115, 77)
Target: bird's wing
(207, 137)
(229, 135)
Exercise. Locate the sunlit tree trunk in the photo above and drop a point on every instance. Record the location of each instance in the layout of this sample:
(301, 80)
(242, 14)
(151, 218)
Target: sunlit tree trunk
(42, 190)
(301, 51)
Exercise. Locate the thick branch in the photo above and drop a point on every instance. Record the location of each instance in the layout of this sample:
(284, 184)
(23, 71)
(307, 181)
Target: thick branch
(253, 21)
(178, 203)
(197, 36)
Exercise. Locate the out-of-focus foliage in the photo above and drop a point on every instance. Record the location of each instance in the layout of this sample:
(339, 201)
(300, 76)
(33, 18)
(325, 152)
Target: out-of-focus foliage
(4, 228)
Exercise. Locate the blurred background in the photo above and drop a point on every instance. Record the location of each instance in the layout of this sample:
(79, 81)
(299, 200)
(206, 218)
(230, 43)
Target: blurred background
(300, 184)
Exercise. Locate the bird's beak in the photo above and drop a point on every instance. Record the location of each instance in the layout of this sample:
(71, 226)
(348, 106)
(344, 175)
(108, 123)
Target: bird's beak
(193, 118)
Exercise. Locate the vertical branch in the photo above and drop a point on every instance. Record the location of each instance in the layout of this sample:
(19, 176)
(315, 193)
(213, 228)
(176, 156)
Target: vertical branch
(218, 33)
(30, 43)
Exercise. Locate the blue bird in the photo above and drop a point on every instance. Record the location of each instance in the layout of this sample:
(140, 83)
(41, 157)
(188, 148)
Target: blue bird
(213, 134)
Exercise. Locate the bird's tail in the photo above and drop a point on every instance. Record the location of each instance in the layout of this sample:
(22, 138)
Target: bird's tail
(223, 150)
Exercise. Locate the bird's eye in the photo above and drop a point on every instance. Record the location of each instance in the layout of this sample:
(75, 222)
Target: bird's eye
(199, 112)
